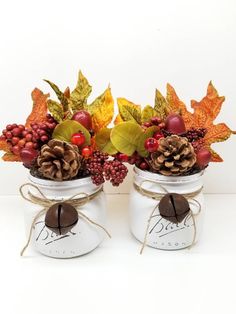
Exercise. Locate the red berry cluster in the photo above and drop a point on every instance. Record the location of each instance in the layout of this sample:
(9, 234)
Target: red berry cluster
(154, 121)
(135, 159)
(95, 166)
(101, 169)
(19, 137)
(115, 172)
(195, 134)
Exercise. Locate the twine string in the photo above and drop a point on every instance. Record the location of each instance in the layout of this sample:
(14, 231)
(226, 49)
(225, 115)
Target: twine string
(158, 196)
(77, 200)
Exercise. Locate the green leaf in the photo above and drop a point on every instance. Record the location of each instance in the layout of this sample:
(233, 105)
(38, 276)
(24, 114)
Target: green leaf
(79, 96)
(125, 136)
(104, 143)
(148, 133)
(161, 105)
(56, 110)
(60, 95)
(129, 111)
(148, 113)
(67, 128)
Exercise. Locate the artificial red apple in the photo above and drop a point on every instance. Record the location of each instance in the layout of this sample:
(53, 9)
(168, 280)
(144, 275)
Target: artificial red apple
(203, 157)
(84, 118)
(175, 124)
(28, 155)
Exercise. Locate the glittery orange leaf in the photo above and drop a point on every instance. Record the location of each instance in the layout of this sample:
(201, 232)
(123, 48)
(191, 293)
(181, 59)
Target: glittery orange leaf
(39, 110)
(203, 116)
(4, 146)
(11, 157)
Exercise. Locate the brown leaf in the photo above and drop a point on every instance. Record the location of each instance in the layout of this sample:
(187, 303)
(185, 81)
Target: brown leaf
(39, 110)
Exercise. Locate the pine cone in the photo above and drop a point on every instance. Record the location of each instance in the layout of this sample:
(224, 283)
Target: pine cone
(175, 156)
(59, 160)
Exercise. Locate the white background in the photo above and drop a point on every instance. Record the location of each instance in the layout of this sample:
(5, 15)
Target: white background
(135, 46)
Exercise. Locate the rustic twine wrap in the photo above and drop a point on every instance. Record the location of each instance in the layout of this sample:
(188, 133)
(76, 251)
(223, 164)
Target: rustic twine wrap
(82, 199)
(158, 196)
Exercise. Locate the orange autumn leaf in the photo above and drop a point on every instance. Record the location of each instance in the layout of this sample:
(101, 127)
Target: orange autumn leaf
(39, 110)
(4, 146)
(11, 157)
(203, 116)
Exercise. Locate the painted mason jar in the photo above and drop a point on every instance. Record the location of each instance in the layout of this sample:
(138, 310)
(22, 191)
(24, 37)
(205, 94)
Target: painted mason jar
(146, 222)
(85, 235)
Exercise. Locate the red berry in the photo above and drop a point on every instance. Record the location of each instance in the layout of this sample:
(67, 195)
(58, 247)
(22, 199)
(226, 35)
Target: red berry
(151, 144)
(21, 127)
(84, 118)
(122, 157)
(16, 150)
(2, 138)
(87, 151)
(28, 137)
(8, 135)
(144, 166)
(156, 120)
(15, 140)
(78, 139)
(175, 124)
(162, 125)
(147, 124)
(158, 135)
(28, 155)
(44, 138)
(29, 145)
(4, 132)
(203, 157)
(14, 125)
(16, 132)
(9, 127)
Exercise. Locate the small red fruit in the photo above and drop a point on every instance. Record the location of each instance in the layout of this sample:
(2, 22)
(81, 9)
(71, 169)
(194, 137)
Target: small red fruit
(44, 138)
(175, 124)
(16, 132)
(21, 142)
(158, 135)
(84, 118)
(87, 151)
(78, 139)
(8, 135)
(122, 157)
(151, 144)
(28, 155)
(203, 157)
(16, 150)
(144, 166)
(15, 140)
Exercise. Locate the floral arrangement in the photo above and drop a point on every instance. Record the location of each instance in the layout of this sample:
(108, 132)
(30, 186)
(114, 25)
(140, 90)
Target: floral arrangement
(57, 141)
(167, 138)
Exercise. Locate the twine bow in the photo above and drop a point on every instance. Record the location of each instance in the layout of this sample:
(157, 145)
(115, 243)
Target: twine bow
(82, 199)
(158, 197)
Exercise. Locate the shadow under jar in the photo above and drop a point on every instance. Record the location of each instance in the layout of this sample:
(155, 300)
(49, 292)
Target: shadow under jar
(84, 236)
(146, 222)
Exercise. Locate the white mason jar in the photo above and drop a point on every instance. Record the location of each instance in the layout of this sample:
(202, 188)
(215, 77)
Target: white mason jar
(161, 233)
(84, 236)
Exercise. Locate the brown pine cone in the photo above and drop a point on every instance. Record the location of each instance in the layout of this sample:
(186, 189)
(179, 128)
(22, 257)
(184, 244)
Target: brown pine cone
(59, 160)
(175, 156)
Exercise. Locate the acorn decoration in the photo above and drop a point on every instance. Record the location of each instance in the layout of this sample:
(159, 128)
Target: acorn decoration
(59, 160)
(174, 207)
(61, 218)
(174, 156)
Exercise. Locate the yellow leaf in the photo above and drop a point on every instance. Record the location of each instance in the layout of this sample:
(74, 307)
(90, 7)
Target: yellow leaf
(129, 111)
(102, 110)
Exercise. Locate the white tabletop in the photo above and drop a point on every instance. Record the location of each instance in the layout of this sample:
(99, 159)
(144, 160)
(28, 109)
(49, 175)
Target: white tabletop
(115, 278)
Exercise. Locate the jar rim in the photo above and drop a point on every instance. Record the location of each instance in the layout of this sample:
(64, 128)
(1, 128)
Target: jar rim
(173, 179)
(66, 183)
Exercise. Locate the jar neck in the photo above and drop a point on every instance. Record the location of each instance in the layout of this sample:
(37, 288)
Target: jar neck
(166, 184)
